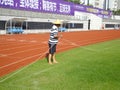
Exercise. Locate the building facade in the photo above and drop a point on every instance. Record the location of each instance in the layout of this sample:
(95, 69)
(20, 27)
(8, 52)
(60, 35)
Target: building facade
(38, 16)
(94, 3)
(103, 4)
(115, 5)
(112, 5)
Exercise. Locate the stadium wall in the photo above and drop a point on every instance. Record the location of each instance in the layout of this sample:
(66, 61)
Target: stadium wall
(41, 22)
(111, 24)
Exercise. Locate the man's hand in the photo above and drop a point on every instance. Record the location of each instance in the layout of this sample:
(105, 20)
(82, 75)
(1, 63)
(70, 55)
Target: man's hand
(58, 36)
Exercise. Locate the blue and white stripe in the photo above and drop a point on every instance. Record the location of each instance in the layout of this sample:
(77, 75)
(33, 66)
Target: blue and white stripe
(53, 32)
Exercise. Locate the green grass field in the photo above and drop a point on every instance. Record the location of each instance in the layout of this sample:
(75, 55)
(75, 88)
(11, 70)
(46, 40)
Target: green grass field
(92, 67)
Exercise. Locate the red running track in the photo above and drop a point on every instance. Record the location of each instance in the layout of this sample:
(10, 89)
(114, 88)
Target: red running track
(17, 51)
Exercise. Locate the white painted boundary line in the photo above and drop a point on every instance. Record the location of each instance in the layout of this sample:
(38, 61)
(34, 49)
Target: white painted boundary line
(20, 60)
(20, 46)
(110, 47)
(47, 69)
(37, 73)
(18, 86)
(15, 43)
(33, 63)
(53, 67)
(24, 66)
(21, 51)
(24, 59)
(92, 39)
(13, 40)
(74, 44)
(71, 43)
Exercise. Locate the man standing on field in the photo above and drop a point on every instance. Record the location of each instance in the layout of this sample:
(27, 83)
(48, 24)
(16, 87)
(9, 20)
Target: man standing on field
(53, 41)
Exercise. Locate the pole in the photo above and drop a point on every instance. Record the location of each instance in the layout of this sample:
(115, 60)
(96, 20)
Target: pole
(108, 5)
(105, 4)
(87, 2)
(89, 24)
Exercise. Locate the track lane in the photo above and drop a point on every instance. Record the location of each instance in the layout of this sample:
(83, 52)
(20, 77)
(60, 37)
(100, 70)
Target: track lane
(17, 59)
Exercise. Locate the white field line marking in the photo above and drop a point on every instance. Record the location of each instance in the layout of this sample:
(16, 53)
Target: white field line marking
(74, 44)
(36, 73)
(93, 39)
(6, 43)
(33, 41)
(45, 42)
(22, 40)
(3, 55)
(11, 39)
(18, 41)
(25, 59)
(27, 45)
(22, 51)
(110, 47)
(103, 38)
(89, 49)
(15, 44)
(24, 67)
(64, 43)
(11, 57)
(65, 48)
(20, 60)
(77, 45)
(18, 86)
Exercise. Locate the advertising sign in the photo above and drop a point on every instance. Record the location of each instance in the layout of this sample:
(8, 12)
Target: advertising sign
(52, 6)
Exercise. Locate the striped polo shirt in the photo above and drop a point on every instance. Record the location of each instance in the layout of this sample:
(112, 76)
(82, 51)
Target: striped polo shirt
(53, 32)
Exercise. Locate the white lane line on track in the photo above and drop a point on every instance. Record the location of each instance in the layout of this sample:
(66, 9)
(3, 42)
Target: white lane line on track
(71, 43)
(19, 41)
(33, 41)
(24, 59)
(77, 45)
(20, 46)
(47, 69)
(22, 40)
(20, 60)
(19, 70)
(21, 51)
(15, 44)
(10, 39)
(23, 67)
(103, 38)
(3, 55)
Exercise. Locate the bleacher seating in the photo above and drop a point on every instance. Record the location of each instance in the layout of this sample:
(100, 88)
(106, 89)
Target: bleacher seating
(14, 30)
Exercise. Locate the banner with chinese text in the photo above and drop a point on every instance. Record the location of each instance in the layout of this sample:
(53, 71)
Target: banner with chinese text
(52, 6)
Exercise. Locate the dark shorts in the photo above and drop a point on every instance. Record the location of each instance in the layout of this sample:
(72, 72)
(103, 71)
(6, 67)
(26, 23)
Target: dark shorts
(52, 48)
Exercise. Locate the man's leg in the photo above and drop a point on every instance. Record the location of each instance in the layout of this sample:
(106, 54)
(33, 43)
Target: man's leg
(54, 59)
(50, 55)
(49, 59)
